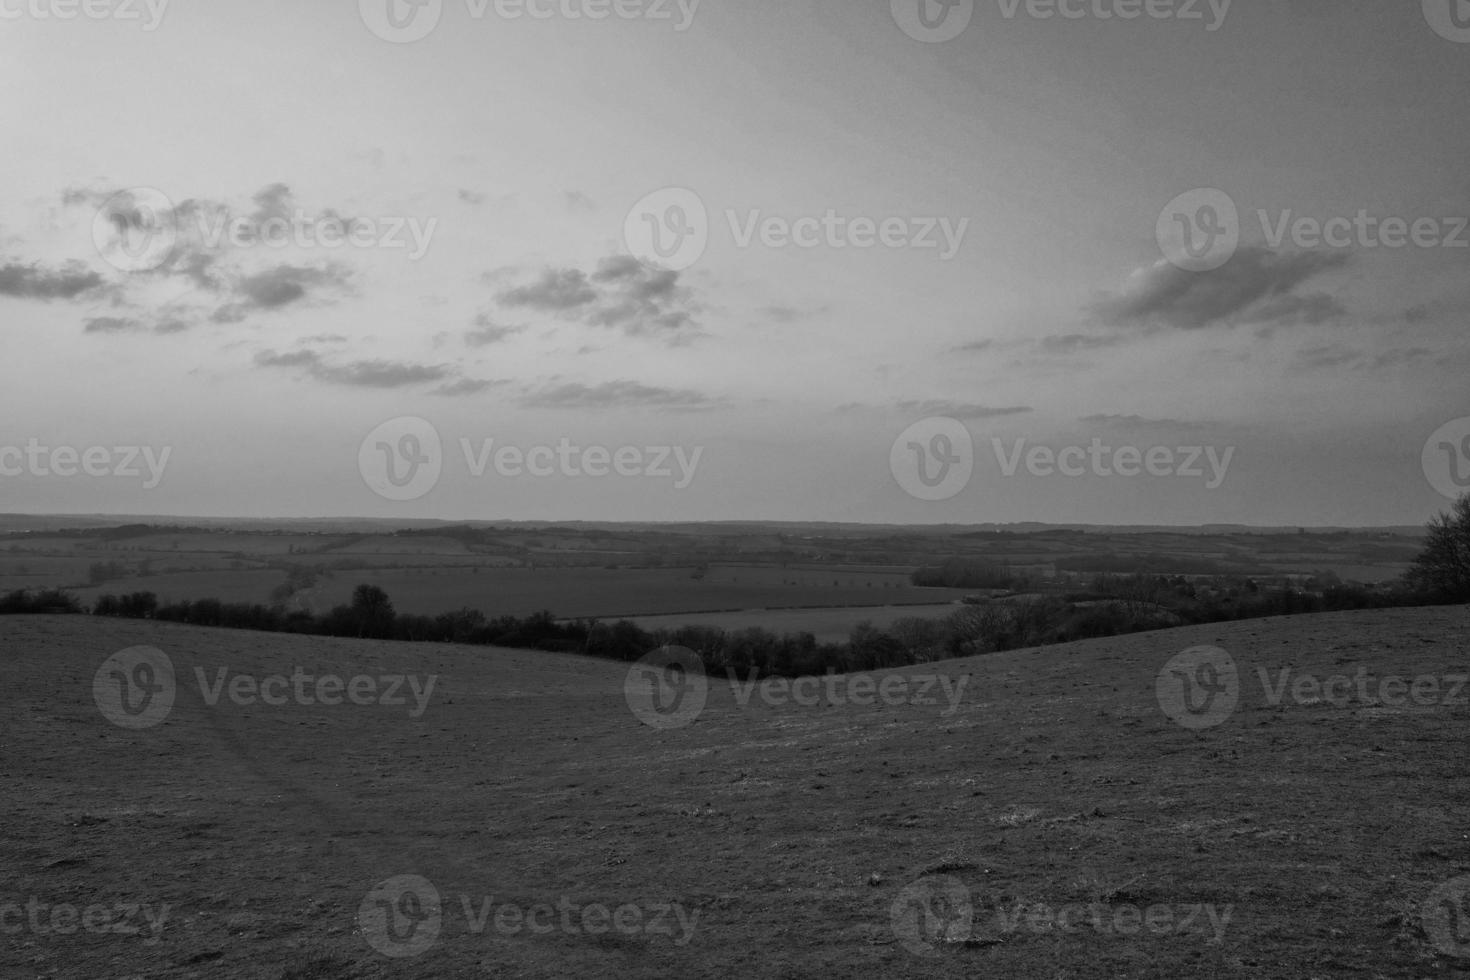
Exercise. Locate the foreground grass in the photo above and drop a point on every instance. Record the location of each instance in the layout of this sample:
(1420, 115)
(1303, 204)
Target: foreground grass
(792, 832)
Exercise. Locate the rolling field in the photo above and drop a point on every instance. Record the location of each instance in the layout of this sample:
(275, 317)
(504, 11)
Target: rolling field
(562, 836)
(574, 593)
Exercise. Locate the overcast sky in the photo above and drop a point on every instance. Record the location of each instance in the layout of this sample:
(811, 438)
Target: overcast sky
(989, 263)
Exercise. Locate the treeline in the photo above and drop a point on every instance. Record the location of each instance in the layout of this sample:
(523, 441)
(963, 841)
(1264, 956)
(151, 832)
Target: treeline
(968, 573)
(1116, 605)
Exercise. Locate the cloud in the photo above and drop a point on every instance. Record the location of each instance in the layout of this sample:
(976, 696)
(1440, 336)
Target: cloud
(362, 374)
(1326, 357)
(959, 410)
(111, 324)
(779, 313)
(35, 282)
(621, 293)
(487, 332)
(936, 407)
(577, 201)
(617, 394)
(1294, 310)
(1073, 343)
(1401, 357)
(203, 245)
(277, 288)
(973, 347)
(1164, 296)
(471, 197)
(558, 290)
(1140, 422)
(465, 386)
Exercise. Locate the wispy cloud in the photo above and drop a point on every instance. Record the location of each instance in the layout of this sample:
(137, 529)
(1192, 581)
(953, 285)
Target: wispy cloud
(34, 281)
(621, 292)
(362, 374)
(1163, 295)
(617, 394)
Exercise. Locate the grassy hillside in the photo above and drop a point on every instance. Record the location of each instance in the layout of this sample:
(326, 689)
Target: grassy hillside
(793, 840)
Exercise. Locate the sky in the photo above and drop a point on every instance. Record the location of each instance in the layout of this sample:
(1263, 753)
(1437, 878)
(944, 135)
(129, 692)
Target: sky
(893, 261)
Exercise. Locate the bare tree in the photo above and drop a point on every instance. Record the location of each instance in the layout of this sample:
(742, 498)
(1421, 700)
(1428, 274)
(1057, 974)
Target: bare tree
(1443, 567)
